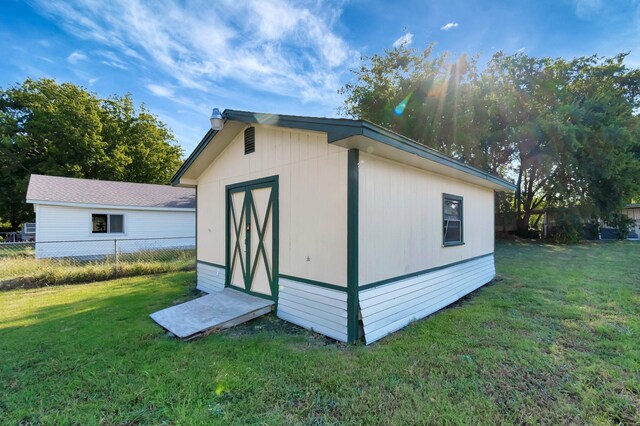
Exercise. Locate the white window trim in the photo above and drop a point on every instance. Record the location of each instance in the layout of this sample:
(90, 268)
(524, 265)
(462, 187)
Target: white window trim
(108, 233)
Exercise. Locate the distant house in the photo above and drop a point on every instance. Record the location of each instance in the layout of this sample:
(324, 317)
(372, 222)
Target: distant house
(633, 211)
(350, 229)
(83, 217)
(606, 232)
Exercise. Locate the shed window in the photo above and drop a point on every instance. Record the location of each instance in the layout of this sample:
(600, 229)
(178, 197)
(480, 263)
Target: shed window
(107, 223)
(452, 225)
(249, 140)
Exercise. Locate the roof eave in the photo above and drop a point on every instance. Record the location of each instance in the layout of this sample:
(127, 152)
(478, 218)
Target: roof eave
(175, 179)
(339, 129)
(395, 140)
(109, 206)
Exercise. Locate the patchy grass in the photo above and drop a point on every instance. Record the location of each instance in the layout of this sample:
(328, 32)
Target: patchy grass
(24, 271)
(16, 250)
(555, 341)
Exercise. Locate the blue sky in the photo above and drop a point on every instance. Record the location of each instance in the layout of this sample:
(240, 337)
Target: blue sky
(279, 56)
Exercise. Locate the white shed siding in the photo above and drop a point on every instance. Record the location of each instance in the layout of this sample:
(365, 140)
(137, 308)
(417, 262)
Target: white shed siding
(312, 200)
(390, 307)
(64, 223)
(210, 278)
(319, 309)
(634, 213)
(400, 220)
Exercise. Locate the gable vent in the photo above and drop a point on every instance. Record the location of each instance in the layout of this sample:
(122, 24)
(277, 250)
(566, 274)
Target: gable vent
(249, 140)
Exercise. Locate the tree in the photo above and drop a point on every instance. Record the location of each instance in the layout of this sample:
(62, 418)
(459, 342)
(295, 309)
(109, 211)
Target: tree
(64, 130)
(428, 98)
(601, 164)
(524, 97)
(565, 131)
(573, 129)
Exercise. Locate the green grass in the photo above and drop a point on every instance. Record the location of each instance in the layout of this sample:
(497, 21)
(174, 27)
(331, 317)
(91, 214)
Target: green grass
(555, 341)
(24, 271)
(16, 250)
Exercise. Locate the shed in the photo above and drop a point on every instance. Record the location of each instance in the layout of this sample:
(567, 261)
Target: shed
(85, 217)
(351, 229)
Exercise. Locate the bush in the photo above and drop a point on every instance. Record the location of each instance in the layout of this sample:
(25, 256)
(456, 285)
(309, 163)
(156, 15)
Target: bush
(622, 224)
(567, 229)
(591, 230)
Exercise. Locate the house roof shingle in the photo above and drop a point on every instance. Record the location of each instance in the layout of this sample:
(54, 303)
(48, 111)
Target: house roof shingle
(55, 189)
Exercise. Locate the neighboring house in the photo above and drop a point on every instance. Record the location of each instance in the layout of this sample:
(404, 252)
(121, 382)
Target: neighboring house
(350, 228)
(605, 232)
(83, 217)
(633, 211)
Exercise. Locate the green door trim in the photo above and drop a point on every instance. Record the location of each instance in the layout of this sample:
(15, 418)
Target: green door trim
(353, 281)
(247, 215)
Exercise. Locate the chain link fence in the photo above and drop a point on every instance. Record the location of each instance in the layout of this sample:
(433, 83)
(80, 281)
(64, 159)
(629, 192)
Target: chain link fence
(33, 264)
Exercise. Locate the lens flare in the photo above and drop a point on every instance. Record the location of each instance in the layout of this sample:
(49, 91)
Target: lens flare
(399, 109)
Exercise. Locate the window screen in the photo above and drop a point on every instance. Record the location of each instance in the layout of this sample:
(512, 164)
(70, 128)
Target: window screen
(116, 223)
(452, 220)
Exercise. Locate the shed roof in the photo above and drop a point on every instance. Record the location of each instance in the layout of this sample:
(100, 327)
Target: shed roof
(339, 130)
(63, 190)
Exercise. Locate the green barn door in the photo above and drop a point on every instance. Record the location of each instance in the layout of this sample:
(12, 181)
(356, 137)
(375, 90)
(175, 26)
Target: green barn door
(252, 225)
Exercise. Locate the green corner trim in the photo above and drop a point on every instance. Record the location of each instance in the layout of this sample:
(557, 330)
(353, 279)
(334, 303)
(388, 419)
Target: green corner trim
(353, 177)
(314, 282)
(217, 265)
(196, 214)
(415, 274)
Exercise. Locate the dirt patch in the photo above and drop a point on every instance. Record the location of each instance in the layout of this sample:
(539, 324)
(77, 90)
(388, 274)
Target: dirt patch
(271, 324)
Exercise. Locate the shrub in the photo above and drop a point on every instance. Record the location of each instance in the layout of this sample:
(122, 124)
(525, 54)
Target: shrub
(622, 224)
(591, 230)
(567, 229)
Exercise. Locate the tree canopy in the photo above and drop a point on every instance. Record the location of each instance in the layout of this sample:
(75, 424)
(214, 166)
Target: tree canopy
(565, 130)
(65, 130)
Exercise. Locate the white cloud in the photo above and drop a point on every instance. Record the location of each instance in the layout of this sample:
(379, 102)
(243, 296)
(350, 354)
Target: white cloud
(587, 8)
(76, 57)
(112, 60)
(93, 80)
(521, 50)
(281, 47)
(162, 91)
(406, 40)
(449, 26)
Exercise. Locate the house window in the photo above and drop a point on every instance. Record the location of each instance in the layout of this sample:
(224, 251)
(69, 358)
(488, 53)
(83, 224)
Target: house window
(452, 226)
(107, 223)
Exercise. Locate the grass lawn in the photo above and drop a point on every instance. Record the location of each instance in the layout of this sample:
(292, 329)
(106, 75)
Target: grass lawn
(557, 340)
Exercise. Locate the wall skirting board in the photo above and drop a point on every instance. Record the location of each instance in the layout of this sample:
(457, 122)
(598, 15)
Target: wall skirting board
(316, 308)
(384, 308)
(210, 277)
(389, 307)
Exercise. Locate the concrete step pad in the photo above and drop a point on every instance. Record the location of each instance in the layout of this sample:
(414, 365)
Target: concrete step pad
(210, 313)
